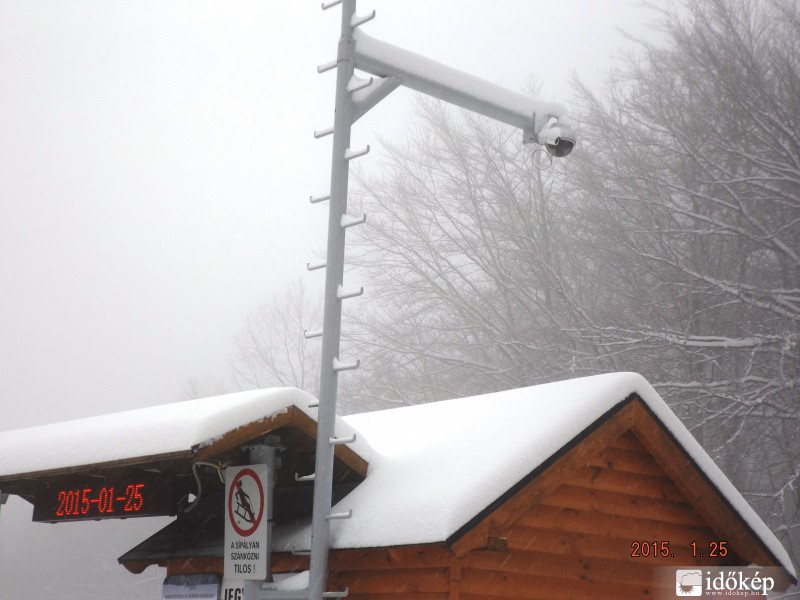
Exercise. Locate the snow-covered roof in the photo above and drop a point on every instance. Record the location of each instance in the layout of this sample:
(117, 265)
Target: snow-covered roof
(434, 467)
(157, 431)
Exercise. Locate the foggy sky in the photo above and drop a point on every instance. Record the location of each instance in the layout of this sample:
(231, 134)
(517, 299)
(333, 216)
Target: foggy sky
(156, 160)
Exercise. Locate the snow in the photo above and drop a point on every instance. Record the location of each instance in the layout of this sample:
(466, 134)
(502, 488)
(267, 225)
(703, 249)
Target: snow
(157, 430)
(296, 581)
(433, 467)
(428, 76)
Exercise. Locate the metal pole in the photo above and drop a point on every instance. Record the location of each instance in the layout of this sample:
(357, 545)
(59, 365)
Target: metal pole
(332, 316)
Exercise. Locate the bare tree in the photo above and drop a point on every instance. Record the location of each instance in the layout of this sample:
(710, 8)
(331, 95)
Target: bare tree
(670, 248)
(271, 349)
(693, 164)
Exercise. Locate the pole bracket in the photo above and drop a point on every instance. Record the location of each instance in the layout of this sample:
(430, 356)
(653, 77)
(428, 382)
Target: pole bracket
(357, 20)
(339, 441)
(346, 221)
(328, 66)
(351, 154)
(343, 294)
(345, 366)
(341, 515)
(359, 83)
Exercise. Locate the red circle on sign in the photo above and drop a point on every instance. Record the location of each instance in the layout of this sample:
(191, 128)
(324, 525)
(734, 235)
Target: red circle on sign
(235, 484)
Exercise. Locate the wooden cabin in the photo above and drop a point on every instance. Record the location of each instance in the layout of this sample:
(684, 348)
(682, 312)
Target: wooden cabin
(589, 488)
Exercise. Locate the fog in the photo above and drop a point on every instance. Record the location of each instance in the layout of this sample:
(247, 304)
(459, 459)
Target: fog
(156, 160)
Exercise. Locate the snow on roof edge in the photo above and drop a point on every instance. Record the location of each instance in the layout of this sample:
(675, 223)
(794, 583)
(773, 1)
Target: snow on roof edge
(149, 431)
(621, 386)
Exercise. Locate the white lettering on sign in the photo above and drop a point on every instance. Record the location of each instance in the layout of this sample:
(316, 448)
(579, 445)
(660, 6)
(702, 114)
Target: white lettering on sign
(246, 528)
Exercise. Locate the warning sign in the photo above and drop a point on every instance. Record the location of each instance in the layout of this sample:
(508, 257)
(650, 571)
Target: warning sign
(246, 527)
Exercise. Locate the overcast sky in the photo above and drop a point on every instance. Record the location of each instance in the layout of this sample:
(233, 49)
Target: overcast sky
(156, 159)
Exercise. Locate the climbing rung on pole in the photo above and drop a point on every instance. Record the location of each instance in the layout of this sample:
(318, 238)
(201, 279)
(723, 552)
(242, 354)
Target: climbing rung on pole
(327, 66)
(343, 294)
(312, 334)
(357, 21)
(339, 441)
(317, 199)
(358, 83)
(304, 477)
(316, 265)
(319, 133)
(351, 154)
(331, 4)
(346, 221)
(342, 366)
(341, 515)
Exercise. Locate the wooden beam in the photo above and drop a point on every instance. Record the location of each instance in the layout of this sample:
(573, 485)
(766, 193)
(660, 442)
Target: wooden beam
(610, 480)
(195, 565)
(343, 452)
(392, 581)
(427, 556)
(626, 505)
(542, 482)
(7, 482)
(514, 586)
(707, 500)
(574, 568)
(630, 461)
(630, 528)
(546, 540)
(241, 435)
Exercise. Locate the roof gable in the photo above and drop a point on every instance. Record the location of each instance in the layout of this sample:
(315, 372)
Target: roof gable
(436, 470)
(626, 476)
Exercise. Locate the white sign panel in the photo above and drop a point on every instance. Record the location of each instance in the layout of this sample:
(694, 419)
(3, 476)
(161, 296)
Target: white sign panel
(246, 527)
(190, 587)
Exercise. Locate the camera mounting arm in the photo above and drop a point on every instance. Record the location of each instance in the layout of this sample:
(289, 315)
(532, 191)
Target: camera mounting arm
(541, 122)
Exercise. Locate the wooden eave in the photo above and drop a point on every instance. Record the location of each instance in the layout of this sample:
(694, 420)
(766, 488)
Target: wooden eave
(635, 416)
(25, 484)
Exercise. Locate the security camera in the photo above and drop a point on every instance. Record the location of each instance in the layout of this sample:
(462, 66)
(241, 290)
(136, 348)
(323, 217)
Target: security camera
(559, 141)
(556, 135)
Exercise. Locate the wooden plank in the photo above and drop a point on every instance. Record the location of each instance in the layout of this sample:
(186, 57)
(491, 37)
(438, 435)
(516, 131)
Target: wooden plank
(628, 441)
(455, 580)
(707, 500)
(630, 528)
(286, 562)
(631, 461)
(195, 565)
(392, 581)
(615, 503)
(547, 481)
(538, 539)
(403, 557)
(9, 481)
(239, 436)
(390, 596)
(577, 568)
(342, 452)
(628, 483)
(509, 585)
